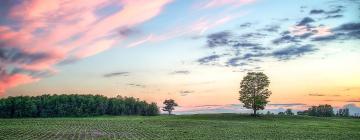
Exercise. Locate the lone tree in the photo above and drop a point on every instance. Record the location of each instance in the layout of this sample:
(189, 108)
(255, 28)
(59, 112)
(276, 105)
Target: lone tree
(254, 92)
(169, 105)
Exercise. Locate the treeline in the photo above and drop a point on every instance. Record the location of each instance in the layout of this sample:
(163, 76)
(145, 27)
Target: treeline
(324, 111)
(319, 111)
(73, 105)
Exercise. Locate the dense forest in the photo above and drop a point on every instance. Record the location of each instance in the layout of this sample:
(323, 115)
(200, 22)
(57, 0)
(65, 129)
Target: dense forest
(73, 105)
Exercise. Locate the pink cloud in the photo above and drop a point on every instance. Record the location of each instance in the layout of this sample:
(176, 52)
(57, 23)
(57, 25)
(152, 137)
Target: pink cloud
(9, 81)
(219, 3)
(51, 31)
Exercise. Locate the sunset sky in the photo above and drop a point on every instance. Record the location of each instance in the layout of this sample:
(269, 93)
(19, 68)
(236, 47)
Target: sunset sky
(193, 51)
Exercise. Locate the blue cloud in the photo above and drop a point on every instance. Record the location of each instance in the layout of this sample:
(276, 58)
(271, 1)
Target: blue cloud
(208, 59)
(345, 31)
(245, 44)
(293, 51)
(325, 38)
(317, 11)
(348, 27)
(107, 10)
(246, 58)
(218, 39)
(271, 28)
(335, 11)
(125, 31)
(286, 39)
(305, 21)
(15, 55)
(334, 16)
(235, 62)
(245, 25)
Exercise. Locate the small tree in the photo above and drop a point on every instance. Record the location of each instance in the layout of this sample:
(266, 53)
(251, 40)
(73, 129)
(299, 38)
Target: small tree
(254, 91)
(169, 105)
(289, 112)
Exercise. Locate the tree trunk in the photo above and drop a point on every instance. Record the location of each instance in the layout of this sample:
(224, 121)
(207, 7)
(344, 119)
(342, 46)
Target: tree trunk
(254, 112)
(169, 112)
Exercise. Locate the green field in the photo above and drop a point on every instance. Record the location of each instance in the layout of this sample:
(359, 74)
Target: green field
(219, 126)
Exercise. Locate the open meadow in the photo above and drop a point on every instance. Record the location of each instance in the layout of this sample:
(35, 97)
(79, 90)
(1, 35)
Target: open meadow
(211, 126)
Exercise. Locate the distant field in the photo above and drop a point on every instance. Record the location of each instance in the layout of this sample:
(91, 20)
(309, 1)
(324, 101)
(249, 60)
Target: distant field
(219, 126)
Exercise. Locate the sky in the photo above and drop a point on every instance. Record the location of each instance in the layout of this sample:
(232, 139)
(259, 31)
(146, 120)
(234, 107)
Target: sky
(195, 52)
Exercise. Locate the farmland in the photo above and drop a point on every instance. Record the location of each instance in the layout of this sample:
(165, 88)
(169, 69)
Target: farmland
(215, 126)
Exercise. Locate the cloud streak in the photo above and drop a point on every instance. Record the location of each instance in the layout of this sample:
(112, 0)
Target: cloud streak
(180, 72)
(219, 3)
(116, 74)
(185, 92)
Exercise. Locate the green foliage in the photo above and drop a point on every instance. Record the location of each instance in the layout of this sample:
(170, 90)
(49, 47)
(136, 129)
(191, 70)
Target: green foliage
(320, 111)
(169, 105)
(73, 105)
(194, 127)
(343, 112)
(305, 112)
(289, 112)
(254, 91)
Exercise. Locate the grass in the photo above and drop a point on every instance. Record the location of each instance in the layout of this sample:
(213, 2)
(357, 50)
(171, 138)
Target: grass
(214, 126)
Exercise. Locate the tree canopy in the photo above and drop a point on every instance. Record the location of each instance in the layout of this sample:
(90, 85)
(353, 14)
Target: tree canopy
(73, 105)
(169, 105)
(319, 111)
(343, 112)
(289, 112)
(254, 91)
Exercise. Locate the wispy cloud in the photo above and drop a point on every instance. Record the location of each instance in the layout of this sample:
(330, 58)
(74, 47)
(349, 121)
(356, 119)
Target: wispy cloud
(219, 3)
(316, 94)
(208, 59)
(117, 74)
(293, 51)
(186, 92)
(218, 39)
(137, 85)
(305, 21)
(180, 72)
